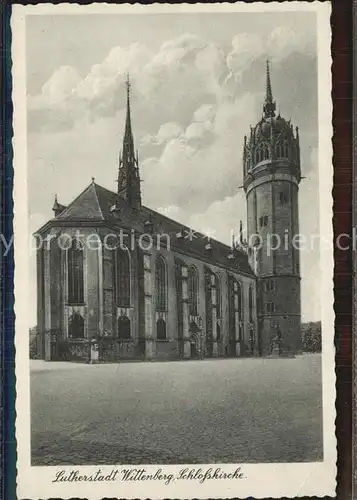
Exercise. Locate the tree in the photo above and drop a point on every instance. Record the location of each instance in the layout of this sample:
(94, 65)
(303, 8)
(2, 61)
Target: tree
(311, 336)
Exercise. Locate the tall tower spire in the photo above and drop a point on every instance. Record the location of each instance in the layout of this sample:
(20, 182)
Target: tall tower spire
(129, 179)
(269, 104)
(271, 185)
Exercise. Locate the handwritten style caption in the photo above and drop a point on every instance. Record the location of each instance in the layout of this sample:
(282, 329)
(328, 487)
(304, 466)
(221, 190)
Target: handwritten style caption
(142, 474)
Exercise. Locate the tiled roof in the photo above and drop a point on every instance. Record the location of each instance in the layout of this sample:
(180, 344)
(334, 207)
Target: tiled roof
(95, 204)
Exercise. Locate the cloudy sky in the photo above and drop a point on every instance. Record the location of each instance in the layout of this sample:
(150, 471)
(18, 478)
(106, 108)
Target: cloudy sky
(198, 83)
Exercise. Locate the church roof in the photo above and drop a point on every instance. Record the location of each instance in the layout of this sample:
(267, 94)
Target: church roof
(95, 206)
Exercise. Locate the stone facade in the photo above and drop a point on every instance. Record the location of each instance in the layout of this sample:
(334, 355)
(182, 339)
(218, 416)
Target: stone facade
(100, 312)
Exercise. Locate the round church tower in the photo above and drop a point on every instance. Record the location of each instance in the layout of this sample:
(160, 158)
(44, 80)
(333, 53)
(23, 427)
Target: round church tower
(271, 163)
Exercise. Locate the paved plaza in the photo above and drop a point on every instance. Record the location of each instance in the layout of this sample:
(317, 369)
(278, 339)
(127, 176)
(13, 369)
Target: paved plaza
(210, 411)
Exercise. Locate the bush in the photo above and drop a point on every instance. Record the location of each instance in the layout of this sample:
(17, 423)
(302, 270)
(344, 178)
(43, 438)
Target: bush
(311, 336)
(33, 343)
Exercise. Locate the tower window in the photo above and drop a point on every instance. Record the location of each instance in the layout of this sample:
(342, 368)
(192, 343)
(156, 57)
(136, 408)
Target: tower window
(270, 307)
(263, 221)
(283, 198)
(282, 150)
(262, 153)
(270, 286)
(286, 149)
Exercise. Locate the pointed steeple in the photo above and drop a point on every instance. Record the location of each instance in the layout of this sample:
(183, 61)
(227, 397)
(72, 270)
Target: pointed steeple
(269, 104)
(57, 207)
(128, 179)
(128, 143)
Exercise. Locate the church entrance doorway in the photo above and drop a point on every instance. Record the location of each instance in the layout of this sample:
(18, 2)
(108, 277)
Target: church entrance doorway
(193, 352)
(195, 344)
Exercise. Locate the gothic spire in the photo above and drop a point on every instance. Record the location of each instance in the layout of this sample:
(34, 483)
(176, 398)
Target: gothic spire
(269, 104)
(129, 180)
(128, 143)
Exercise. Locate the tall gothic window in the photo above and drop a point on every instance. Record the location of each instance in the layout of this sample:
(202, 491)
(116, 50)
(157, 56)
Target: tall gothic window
(265, 151)
(192, 290)
(286, 149)
(160, 284)
(240, 300)
(75, 273)
(218, 296)
(282, 149)
(262, 152)
(122, 277)
(250, 303)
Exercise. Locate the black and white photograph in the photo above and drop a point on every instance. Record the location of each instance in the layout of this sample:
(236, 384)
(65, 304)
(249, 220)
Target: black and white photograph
(173, 266)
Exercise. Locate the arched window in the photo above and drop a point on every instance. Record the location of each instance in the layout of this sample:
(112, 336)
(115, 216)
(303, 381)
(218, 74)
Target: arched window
(240, 300)
(218, 296)
(232, 333)
(75, 273)
(247, 162)
(265, 151)
(122, 277)
(282, 149)
(250, 303)
(258, 155)
(160, 284)
(286, 149)
(192, 291)
(76, 326)
(124, 327)
(262, 152)
(161, 329)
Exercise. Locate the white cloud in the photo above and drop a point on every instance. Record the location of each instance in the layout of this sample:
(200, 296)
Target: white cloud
(61, 83)
(281, 42)
(204, 113)
(193, 174)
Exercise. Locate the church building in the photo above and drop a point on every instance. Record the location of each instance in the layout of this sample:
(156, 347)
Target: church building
(118, 277)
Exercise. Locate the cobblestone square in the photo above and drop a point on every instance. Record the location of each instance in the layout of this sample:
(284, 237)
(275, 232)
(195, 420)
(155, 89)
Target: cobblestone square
(211, 411)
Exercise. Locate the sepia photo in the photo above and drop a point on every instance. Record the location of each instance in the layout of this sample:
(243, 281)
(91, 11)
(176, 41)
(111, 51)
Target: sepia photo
(173, 251)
